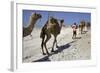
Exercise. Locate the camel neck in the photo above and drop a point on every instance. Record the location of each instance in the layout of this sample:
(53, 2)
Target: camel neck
(32, 22)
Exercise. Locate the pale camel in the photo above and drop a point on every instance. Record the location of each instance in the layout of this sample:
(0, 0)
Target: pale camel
(33, 19)
(53, 27)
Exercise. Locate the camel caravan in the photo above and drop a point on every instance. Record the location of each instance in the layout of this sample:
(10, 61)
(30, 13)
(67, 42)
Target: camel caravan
(84, 26)
(53, 27)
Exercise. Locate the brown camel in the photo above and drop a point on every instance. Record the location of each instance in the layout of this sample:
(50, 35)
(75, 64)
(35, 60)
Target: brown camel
(88, 25)
(33, 18)
(53, 27)
(82, 26)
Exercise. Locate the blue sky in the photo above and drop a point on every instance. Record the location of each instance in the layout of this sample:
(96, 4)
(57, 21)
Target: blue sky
(69, 17)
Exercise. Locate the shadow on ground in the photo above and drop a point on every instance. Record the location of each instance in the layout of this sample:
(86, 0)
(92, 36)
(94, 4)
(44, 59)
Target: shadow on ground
(60, 49)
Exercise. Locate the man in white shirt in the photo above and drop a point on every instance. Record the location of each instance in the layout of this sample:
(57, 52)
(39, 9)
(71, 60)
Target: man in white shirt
(74, 27)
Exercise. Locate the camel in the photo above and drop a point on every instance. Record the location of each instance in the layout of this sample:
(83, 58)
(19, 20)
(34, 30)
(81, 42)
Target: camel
(53, 27)
(88, 25)
(33, 18)
(82, 26)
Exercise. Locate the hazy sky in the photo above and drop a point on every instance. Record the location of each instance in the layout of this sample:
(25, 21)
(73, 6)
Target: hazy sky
(69, 17)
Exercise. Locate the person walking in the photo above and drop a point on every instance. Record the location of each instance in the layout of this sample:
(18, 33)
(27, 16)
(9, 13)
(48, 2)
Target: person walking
(74, 27)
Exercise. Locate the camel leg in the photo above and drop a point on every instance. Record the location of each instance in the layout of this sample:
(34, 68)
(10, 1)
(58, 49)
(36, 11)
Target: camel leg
(55, 41)
(53, 46)
(48, 37)
(42, 45)
(79, 30)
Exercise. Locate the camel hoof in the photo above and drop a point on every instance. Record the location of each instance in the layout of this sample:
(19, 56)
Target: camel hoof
(57, 46)
(44, 53)
(48, 53)
(52, 51)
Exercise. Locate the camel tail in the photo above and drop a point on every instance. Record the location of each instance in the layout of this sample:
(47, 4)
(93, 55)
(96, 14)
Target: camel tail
(42, 34)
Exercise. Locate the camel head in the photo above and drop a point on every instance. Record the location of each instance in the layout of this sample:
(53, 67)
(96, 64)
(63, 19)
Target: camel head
(61, 21)
(36, 16)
